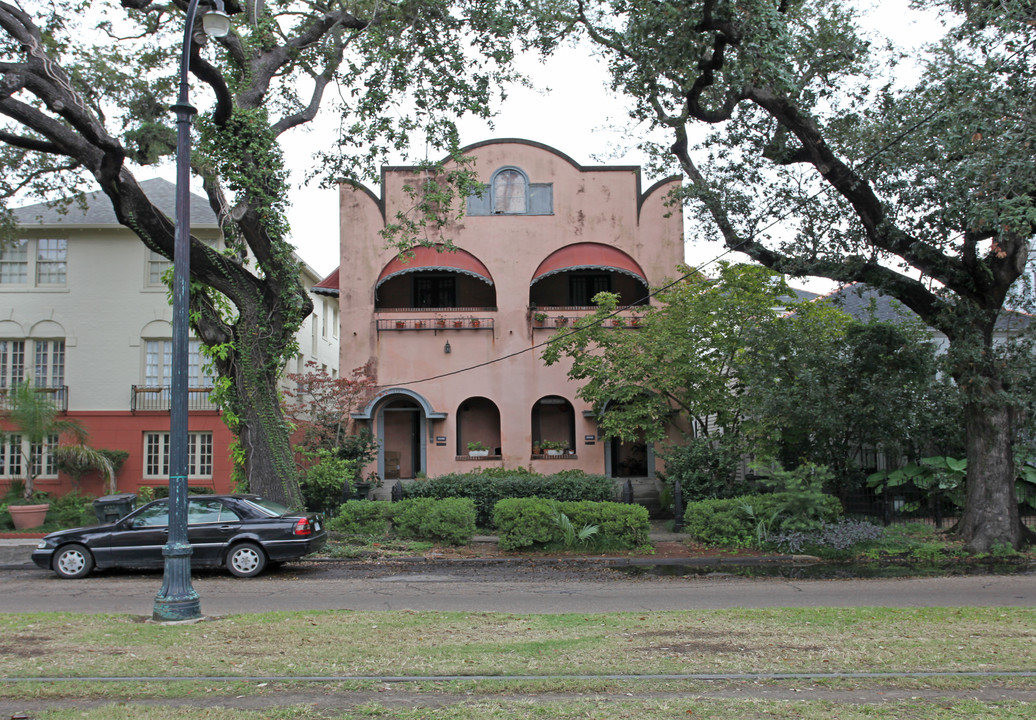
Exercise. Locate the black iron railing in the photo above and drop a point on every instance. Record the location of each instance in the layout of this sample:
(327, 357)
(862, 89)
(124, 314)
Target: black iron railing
(151, 399)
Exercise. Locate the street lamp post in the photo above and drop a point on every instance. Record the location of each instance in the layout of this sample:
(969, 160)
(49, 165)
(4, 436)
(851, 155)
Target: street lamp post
(177, 599)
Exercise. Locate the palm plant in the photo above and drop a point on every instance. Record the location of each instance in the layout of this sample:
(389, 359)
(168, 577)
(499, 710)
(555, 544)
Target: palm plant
(34, 417)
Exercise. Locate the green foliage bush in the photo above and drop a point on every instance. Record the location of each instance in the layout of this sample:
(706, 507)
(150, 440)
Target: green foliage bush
(704, 471)
(324, 483)
(446, 520)
(362, 517)
(525, 522)
(736, 521)
(487, 488)
(73, 510)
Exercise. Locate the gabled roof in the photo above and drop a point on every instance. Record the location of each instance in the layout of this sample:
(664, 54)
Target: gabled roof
(99, 212)
(328, 286)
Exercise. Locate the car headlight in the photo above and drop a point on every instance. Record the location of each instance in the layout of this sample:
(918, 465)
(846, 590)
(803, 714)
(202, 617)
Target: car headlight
(42, 545)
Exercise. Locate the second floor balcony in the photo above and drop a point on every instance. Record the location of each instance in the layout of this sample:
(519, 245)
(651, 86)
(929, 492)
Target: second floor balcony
(58, 396)
(158, 399)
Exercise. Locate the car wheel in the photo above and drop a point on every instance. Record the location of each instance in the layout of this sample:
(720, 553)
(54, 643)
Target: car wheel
(72, 562)
(246, 560)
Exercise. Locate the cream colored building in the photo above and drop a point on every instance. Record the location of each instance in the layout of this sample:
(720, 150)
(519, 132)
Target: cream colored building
(84, 313)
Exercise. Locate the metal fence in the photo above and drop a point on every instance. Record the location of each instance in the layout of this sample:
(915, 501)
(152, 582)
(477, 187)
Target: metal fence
(911, 505)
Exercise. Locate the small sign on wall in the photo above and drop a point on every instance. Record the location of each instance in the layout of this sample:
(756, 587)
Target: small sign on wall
(589, 439)
(440, 440)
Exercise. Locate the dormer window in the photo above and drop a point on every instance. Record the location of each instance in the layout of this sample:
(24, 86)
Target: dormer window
(510, 193)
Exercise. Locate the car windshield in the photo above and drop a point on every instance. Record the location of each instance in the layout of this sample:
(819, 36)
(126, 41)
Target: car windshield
(268, 507)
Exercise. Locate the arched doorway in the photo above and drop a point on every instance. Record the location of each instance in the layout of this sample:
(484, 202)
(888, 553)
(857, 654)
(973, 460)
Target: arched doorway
(400, 421)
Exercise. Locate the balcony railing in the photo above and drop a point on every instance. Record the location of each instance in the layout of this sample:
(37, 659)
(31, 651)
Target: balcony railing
(562, 317)
(58, 395)
(151, 399)
(435, 323)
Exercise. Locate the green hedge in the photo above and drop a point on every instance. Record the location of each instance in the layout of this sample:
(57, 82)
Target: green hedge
(362, 517)
(488, 488)
(524, 522)
(729, 522)
(449, 520)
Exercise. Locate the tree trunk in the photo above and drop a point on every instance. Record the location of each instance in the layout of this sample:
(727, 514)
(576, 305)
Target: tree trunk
(990, 515)
(254, 366)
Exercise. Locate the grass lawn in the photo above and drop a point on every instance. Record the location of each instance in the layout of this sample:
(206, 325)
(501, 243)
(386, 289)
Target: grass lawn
(414, 644)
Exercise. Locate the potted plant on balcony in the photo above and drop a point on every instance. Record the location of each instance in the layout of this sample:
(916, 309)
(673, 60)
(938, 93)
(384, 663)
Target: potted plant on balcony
(440, 322)
(475, 322)
(539, 318)
(419, 324)
(400, 324)
(477, 449)
(554, 448)
(458, 323)
(561, 321)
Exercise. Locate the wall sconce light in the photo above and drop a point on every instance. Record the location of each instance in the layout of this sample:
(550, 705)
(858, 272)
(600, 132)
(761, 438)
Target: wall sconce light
(446, 348)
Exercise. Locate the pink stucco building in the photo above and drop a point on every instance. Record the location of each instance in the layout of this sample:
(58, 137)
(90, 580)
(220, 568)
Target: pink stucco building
(452, 337)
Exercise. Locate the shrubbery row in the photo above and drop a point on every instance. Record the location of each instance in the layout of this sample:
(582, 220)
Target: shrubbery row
(449, 520)
(526, 522)
(522, 522)
(487, 488)
(745, 520)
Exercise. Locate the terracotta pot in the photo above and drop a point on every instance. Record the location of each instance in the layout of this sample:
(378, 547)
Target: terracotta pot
(28, 516)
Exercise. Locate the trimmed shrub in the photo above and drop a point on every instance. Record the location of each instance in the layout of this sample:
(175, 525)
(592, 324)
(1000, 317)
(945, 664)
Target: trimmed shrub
(449, 520)
(744, 520)
(486, 489)
(362, 517)
(524, 522)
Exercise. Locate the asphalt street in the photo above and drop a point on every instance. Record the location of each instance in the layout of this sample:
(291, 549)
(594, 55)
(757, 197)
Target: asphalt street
(494, 587)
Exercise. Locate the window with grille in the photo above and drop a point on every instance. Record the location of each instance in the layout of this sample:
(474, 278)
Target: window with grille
(51, 261)
(158, 364)
(48, 363)
(199, 455)
(14, 263)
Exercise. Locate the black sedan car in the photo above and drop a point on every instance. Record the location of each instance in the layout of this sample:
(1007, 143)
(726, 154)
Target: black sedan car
(245, 533)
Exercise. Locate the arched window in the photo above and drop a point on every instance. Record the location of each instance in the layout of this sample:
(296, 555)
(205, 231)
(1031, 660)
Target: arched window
(510, 193)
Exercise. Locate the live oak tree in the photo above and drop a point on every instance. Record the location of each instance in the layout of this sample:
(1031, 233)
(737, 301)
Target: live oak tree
(85, 90)
(817, 150)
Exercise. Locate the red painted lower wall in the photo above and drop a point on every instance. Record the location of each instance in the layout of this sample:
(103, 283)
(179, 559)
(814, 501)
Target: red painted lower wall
(125, 431)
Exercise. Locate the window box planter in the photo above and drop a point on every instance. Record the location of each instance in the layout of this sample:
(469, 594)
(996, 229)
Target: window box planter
(478, 453)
